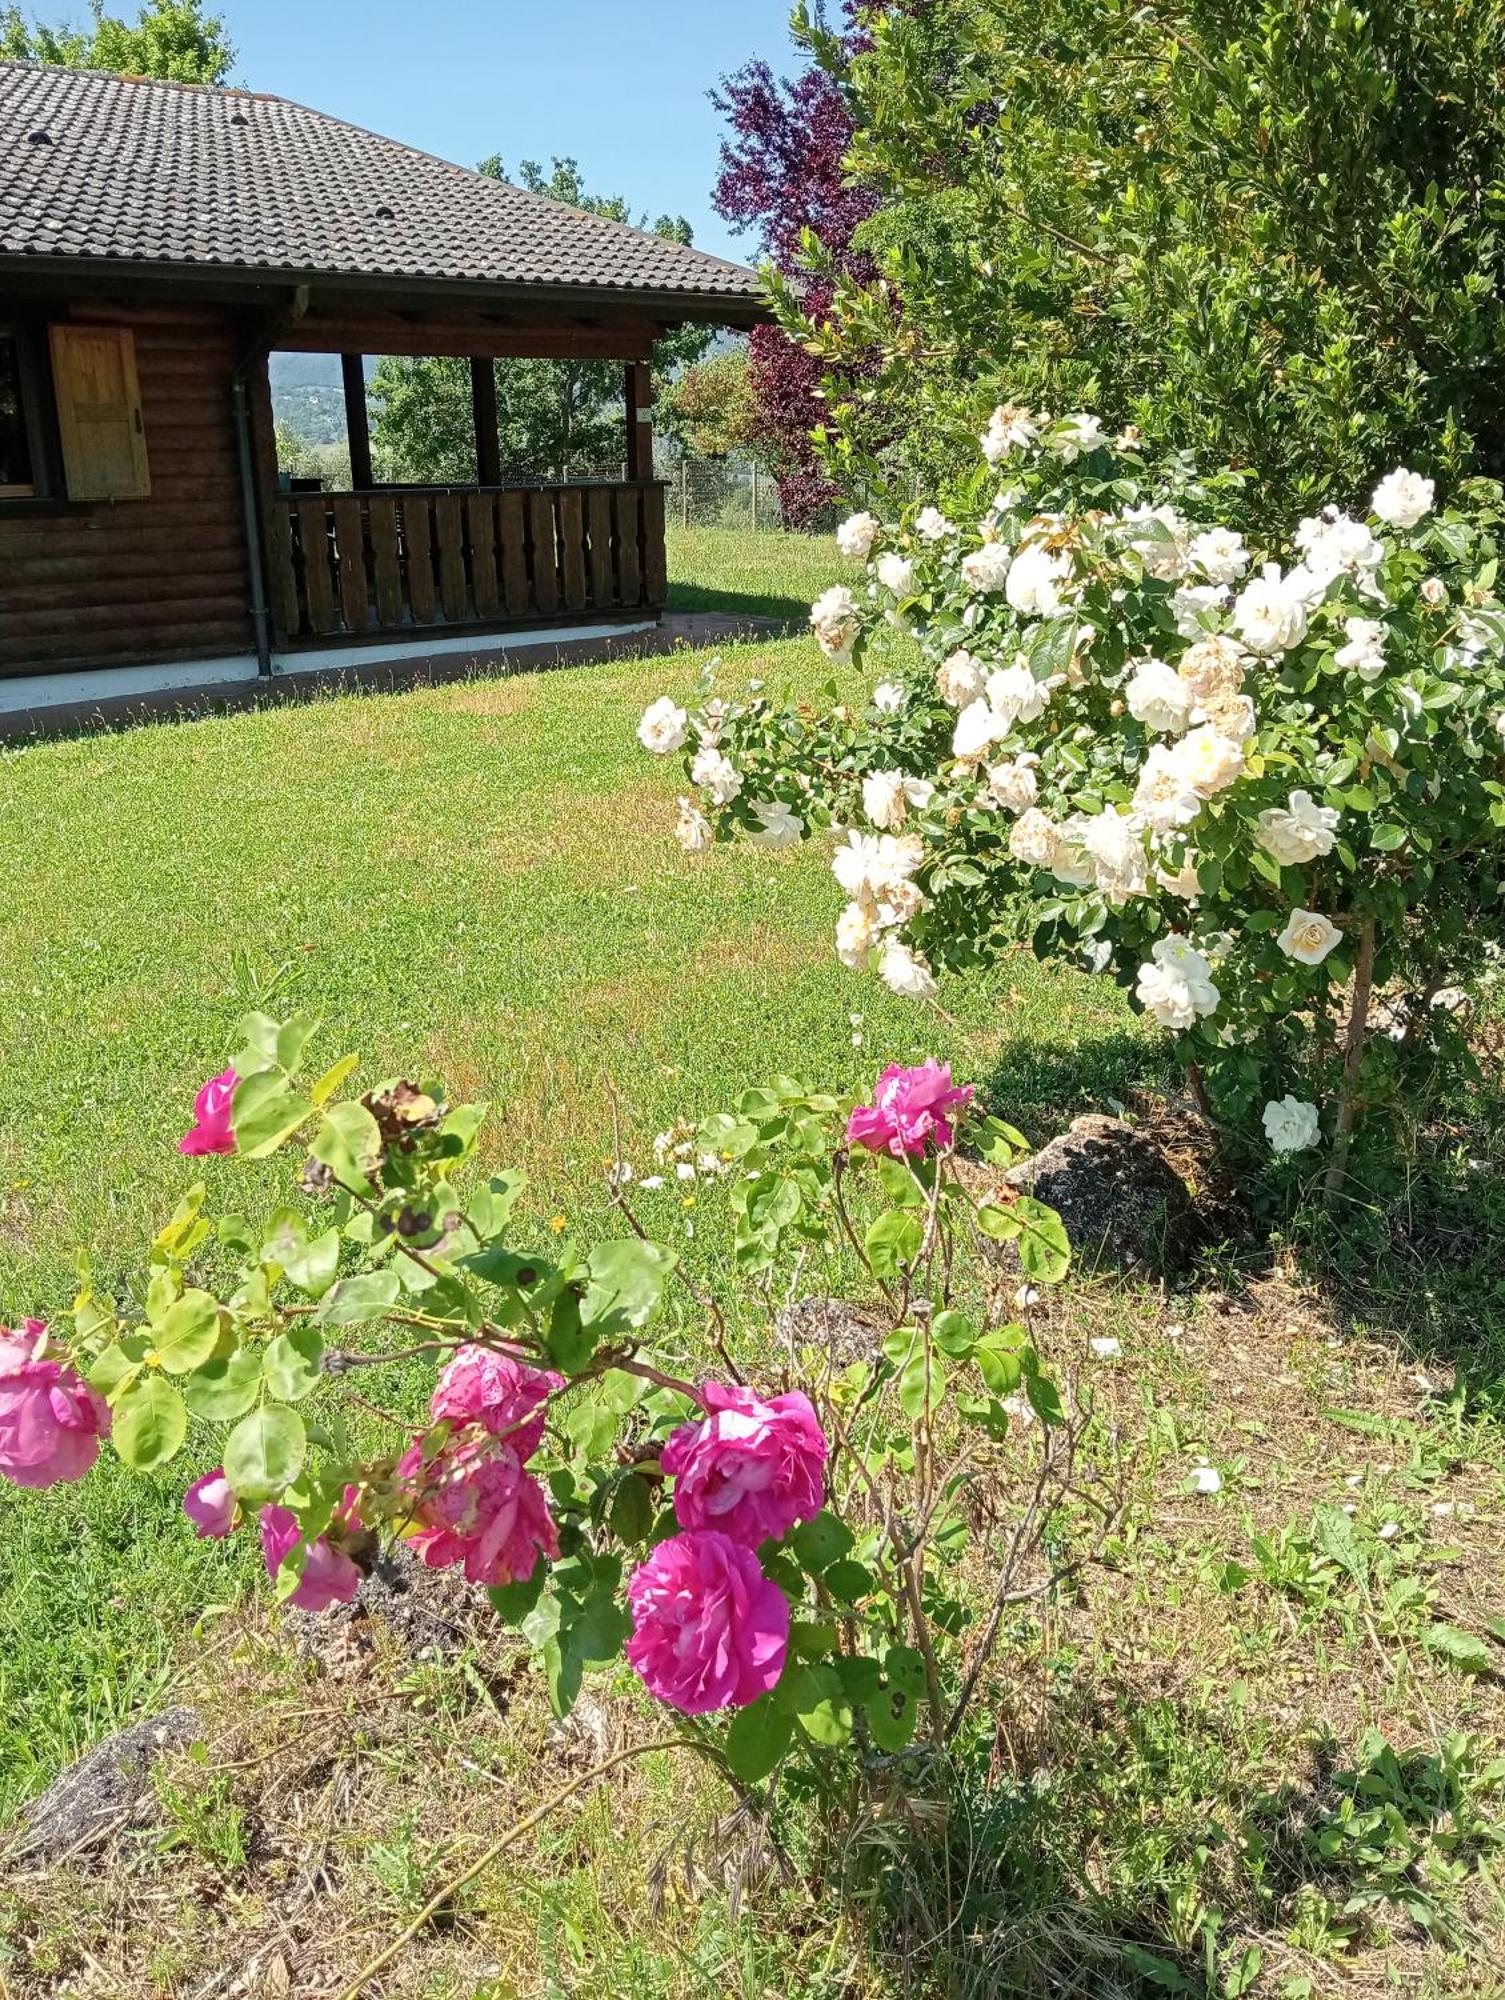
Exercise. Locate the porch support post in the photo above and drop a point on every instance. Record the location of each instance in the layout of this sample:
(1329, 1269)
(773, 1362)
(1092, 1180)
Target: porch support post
(357, 422)
(639, 420)
(483, 401)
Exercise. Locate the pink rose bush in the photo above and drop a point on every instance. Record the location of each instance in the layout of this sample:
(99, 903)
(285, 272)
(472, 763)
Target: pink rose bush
(475, 1505)
(329, 1575)
(210, 1504)
(502, 1396)
(908, 1111)
(709, 1630)
(211, 1131)
(750, 1468)
(51, 1421)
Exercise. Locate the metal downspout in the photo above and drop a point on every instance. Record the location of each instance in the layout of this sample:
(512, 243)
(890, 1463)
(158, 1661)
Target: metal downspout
(245, 454)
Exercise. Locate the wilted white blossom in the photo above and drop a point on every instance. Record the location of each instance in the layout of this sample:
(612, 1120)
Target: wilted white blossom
(1158, 697)
(905, 972)
(716, 774)
(693, 830)
(1016, 696)
(890, 697)
(836, 622)
(1364, 654)
(888, 795)
(931, 525)
(1299, 832)
(1077, 435)
(960, 679)
(778, 825)
(986, 570)
(857, 534)
(1014, 783)
(1011, 428)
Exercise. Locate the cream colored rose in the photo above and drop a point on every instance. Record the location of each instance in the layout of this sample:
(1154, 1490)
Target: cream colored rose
(1309, 937)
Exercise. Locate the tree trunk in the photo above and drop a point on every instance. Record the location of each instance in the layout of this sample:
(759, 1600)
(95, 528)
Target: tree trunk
(1353, 1059)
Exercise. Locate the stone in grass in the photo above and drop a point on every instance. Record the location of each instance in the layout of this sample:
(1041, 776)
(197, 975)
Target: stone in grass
(106, 1793)
(1124, 1206)
(424, 1613)
(832, 1326)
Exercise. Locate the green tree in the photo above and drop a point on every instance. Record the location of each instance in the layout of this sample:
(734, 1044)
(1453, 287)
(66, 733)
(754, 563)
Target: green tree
(711, 409)
(551, 415)
(1266, 231)
(175, 39)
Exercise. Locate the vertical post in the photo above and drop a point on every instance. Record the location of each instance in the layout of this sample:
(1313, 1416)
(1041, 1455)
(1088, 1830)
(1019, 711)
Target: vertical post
(357, 422)
(483, 402)
(755, 496)
(639, 385)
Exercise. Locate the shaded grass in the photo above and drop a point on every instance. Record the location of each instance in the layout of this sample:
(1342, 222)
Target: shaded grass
(477, 881)
(769, 574)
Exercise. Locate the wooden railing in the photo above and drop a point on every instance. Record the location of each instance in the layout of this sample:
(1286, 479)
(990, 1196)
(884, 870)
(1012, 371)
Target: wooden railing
(436, 559)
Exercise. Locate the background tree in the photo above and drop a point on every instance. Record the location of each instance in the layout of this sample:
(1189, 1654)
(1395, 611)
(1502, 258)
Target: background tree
(783, 177)
(711, 410)
(1263, 230)
(552, 416)
(175, 39)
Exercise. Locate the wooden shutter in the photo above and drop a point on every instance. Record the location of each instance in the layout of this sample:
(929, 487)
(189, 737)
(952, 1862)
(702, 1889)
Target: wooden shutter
(99, 412)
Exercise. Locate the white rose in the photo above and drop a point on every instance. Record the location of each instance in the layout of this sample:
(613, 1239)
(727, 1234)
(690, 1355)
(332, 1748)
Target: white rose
(895, 574)
(960, 679)
(1308, 937)
(857, 534)
(888, 795)
(1163, 797)
(1193, 602)
(876, 865)
(1014, 784)
(1219, 554)
(905, 972)
(1011, 428)
(1270, 616)
(1071, 863)
(1333, 543)
(694, 831)
(716, 775)
(664, 727)
(1209, 761)
(1157, 697)
(890, 697)
(1034, 580)
(1015, 695)
(836, 622)
(856, 935)
(1402, 498)
(1303, 831)
(780, 827)
(1364, 654)
(1213, 668)
(1183, 883)
(978, 728)
(931, 525)
(1176, 986)
(1158, 537)
(1034, 839)
(1291, 1126)
(1114, 846)
(1076, 435)
(1434, 592)
(986, 570)
(1232, 716)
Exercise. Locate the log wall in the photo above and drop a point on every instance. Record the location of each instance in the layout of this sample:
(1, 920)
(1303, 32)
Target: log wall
(160, 578)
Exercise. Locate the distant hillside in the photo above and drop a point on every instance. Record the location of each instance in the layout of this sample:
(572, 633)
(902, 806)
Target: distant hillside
(308, 397)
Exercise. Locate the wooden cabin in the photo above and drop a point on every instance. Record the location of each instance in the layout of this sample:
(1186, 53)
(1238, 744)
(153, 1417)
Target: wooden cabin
(158, 242)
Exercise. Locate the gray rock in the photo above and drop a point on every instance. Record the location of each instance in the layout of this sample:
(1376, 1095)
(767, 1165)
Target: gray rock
(105, 1793)
(833, 1326)
(426, 1613)
(1124, 1206)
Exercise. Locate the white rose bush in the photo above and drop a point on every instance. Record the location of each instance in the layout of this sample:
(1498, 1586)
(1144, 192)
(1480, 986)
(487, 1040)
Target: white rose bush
(1263, 787)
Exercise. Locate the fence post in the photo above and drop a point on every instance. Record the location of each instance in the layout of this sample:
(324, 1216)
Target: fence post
(684, 492)
(755, 496)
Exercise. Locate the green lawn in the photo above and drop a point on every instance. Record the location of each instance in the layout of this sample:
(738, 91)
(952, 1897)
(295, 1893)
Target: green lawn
(768, 575)
(477, 880)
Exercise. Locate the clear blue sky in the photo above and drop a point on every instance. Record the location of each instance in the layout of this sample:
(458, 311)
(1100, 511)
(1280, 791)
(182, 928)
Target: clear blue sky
(620, 84)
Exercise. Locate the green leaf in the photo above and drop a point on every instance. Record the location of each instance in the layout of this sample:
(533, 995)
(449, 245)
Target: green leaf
(850, 1582)
(893, 1241)
(264, 1112)
(293, 1363)
(757, 1739)
(225, 1388)
(631, 1514)
(570, 1345)
(358, 1300)
(1462, 1648)
(954, 1334)
(1044, 1250)
(821, 1542)
(264, 1453)
(999, 1365)
(512, 1602)
(1045, 1399)
(348, 1142)
(188, 1334)
(922, 1384)
(999, 1223)
(1334, 1534)
(309, 1263)
(627, 1281)
(118, 1364)
(150, 1422)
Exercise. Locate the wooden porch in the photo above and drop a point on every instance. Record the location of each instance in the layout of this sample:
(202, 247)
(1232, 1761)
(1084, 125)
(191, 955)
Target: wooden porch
(396, 562)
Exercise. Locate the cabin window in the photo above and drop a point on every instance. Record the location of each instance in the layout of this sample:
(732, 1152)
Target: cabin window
(17, 470)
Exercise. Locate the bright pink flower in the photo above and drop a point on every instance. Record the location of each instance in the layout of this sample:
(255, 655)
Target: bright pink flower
(329, 1576)
(210, 1505)
(709, 1629)
(211, 1131)
(477, 1386)
(474, 1504)
(750, 1468)
(908, 1110)
(51, 1421)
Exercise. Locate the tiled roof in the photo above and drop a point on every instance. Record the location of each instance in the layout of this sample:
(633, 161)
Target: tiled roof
(140, 172)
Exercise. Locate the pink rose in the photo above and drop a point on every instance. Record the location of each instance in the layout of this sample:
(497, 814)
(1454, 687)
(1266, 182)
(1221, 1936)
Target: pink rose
(474, 1504)
(908, 1110)
(51, 1421)
(709, 1629)
(211, 1131)
(750, 1468)
(210, 1505)
(329, 1576)
(477, 1386)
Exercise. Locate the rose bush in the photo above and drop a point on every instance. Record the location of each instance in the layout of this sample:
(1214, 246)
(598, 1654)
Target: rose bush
(1259, 786)
(784, 1546)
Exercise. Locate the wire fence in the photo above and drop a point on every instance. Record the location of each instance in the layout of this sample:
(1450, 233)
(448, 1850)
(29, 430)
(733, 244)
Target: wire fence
(705, 492)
